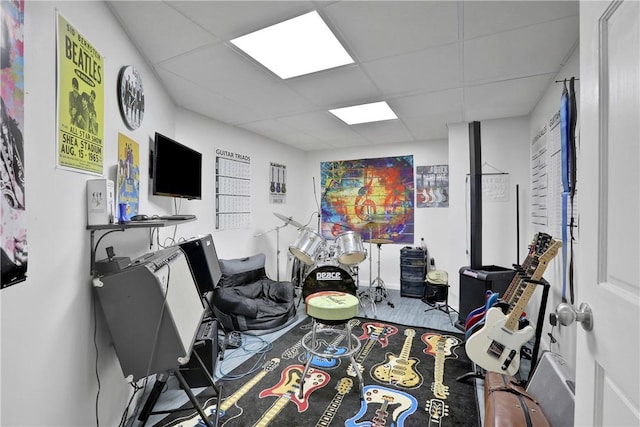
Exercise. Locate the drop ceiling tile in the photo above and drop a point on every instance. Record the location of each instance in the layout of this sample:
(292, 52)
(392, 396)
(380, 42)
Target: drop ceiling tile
(482, 18)
(338, 87)
(509, 98)
(222, 70)
(384, 132)
(429, 69)
(528, 51)
(322, 125)
(432, 127)
(158, 31)
(427, 104)
(372, 30)
(231, 19)
(276, 131)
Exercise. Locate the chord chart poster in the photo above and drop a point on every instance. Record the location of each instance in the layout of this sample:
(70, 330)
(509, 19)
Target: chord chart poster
(233, 190)
(432, 184)
(374, 197)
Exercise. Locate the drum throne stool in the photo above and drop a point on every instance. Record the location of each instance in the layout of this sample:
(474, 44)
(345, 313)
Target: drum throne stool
(331, 308)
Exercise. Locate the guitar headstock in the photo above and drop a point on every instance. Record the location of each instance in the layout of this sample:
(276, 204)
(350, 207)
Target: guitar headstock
(551, 250)
(271, 365)
(440, 390)
(410, 333)
(542, 242)
(436, 409)
(344, 385)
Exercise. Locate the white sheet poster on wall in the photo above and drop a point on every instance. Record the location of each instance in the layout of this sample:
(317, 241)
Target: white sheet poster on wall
(546, 180)
(233, 190)
(277, 183)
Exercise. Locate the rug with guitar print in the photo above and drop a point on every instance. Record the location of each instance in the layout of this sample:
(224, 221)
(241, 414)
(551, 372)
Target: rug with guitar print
(409, 380)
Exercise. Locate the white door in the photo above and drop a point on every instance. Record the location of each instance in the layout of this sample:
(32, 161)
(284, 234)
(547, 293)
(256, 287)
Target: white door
(607, 365)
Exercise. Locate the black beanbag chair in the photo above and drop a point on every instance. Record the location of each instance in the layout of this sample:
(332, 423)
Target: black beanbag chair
(246, 299)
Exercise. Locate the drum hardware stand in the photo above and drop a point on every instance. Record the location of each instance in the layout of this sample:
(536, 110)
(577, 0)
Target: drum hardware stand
(378, 285)
(277, 230)
(445, 308)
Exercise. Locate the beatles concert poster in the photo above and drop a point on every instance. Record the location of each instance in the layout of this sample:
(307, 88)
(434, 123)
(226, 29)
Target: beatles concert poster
(80, 102)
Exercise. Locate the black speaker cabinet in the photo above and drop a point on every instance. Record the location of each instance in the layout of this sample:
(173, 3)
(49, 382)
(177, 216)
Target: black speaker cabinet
(203, 259)
(207, 348)
(153, 311)
(475, 282)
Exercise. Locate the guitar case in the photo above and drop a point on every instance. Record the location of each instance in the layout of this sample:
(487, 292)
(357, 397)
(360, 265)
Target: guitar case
(507, 404)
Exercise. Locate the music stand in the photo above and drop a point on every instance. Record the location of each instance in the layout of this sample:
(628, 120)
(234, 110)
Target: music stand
(440, 280)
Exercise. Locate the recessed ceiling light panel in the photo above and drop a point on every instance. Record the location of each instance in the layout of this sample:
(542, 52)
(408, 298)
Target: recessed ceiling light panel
(295, 47)
(365, 113)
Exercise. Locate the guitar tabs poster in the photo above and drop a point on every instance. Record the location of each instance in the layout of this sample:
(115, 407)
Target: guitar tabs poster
(277, 183)
(374, 197)
(432, 184)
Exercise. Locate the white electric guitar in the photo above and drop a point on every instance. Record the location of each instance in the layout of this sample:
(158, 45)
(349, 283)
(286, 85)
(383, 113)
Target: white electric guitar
(496, 347)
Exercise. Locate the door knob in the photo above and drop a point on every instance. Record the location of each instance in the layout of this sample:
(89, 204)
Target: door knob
(566, 314)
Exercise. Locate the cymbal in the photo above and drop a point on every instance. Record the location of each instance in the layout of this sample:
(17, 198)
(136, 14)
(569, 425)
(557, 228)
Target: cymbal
(289, 220)
(379, 241)
(370, 224)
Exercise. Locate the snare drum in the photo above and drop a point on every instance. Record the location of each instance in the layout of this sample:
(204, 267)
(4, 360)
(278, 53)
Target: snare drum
(307, 246)
(349, 248)
(329, 277)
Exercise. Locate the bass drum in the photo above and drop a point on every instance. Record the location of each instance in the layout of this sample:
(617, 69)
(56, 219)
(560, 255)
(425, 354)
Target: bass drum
(329, 277)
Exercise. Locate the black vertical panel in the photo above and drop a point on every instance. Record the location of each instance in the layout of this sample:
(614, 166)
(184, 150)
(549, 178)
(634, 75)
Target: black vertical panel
(475, 194)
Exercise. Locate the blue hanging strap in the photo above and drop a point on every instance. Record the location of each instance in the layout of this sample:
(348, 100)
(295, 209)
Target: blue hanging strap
(573, 119)
(564, 133)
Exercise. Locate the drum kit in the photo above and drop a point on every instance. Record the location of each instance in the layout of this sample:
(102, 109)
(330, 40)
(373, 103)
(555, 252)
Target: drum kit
(320, 265)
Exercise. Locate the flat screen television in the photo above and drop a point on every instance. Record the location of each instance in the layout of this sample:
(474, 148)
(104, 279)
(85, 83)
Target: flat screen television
(176, 169)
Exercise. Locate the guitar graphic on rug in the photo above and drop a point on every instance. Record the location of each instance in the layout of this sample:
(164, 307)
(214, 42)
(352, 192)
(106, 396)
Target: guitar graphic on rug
(194, 419)
(475, 319)
(383, 406)
(373, 332)
(287, 391)
(344, 386)
(440, 346)
(496, 347)
(294, 350)
(331, 350)
(437, 410)
(399, 371)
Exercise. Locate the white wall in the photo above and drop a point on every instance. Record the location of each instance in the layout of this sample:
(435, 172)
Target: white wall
(504, 146)
(546, 108)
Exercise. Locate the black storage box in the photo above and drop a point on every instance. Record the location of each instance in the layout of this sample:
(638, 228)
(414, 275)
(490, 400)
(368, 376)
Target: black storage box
(475, 282)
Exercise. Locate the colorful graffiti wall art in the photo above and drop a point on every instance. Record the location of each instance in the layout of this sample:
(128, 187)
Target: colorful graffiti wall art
(373, 197)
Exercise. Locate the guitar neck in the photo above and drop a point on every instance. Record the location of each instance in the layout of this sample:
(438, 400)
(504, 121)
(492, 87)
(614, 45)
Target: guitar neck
(527, 287)
(231, 400)
(273, 411)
